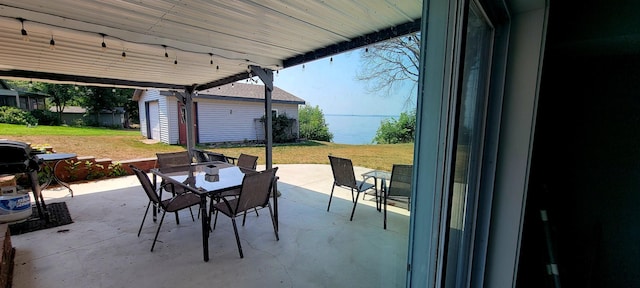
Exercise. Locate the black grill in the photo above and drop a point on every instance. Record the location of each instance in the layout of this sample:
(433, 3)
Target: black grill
(18, 157)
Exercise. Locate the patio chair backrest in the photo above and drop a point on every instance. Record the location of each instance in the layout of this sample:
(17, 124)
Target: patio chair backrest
(400, 183)
(146, 184)
(255, 190)
(248, 161)
(172, 159)
(200, 155)
(213, 156)
(343, 174)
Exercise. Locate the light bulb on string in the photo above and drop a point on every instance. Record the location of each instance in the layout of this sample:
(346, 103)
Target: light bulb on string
(25, 35)
(124, 55)
(52, 43)
(211, 61)
(104, 45)
(166, 55)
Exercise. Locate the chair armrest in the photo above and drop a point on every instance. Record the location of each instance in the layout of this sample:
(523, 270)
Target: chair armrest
(231, 160)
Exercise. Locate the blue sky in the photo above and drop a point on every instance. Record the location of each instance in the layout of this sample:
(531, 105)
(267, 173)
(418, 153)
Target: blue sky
(332, 85)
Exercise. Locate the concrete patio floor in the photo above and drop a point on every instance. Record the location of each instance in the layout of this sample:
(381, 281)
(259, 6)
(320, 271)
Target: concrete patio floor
(316, 248)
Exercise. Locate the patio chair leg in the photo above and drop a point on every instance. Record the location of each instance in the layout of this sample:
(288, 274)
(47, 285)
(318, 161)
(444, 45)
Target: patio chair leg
(354, 206)
(331, 196)
(215, 220)
(144, 217)
(177, 218)
(158, 231)
(235, 230)
(244, 217)
(194, 219)
(273, 221)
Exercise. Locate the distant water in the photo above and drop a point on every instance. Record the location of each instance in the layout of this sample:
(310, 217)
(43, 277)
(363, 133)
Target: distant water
(354, 129)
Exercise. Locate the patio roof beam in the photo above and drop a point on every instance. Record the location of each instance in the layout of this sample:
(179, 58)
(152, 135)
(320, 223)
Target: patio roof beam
(354, 43)
(87, 80)
(223, 81)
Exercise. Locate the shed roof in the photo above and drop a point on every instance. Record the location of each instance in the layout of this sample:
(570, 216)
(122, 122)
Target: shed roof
(243, 91)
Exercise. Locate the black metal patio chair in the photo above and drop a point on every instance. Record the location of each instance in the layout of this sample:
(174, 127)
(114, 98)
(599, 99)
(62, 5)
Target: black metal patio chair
(399, 186)
(172, 205)
(254, 194)
(344, 176)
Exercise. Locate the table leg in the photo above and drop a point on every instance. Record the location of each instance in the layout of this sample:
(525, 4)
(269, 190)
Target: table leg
(378, 200)
(205, 227)
(53, 173)
(49, 171)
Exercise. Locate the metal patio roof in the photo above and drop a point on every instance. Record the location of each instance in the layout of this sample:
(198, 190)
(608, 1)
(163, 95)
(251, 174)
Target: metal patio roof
(212, 42)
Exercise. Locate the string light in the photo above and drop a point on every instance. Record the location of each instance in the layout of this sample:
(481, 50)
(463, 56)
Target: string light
(331, 60)
(104, 45)
(25, 35)
(52, 43)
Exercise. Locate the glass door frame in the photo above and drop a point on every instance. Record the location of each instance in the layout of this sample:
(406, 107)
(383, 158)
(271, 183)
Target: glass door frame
(443, 27)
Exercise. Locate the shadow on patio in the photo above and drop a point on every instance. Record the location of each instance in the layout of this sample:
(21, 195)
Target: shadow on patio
(316, 248)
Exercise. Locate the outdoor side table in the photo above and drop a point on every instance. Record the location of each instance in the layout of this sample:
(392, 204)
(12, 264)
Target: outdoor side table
(52, 161)
(377, 175)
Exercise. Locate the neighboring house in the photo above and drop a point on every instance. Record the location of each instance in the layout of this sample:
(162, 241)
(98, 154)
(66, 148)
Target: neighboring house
(77, 115)
(229, 113)
(22, 99)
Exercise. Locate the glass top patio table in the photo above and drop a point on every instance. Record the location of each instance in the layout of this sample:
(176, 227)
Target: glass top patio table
(196, 178)
(377, 175)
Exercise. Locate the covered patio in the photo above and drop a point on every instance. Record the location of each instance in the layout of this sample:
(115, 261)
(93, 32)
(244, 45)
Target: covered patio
(101, 249)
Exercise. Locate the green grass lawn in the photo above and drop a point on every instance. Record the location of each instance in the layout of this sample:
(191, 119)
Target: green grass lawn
(22, 130)
(121, 145)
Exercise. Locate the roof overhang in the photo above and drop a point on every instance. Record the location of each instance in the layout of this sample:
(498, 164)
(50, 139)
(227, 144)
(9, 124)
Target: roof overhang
(212, 42)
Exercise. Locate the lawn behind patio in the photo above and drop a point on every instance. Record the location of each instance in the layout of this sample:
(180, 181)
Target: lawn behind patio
(119, 145)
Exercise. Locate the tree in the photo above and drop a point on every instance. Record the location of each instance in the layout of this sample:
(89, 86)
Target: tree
(96, 99)
(60, 94)
(312, 124)
(390, 64)
(392, 131)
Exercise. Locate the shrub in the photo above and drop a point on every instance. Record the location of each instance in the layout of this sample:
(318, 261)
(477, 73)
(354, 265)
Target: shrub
(46, 117)
(313, 125)
(13, 115)
(392, 131)
(282, 129)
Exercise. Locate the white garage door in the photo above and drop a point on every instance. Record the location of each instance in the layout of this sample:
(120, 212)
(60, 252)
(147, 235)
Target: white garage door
(154, 120)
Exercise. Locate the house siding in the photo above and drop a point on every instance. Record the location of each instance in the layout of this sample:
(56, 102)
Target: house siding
(233, 121)
(220, 119)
